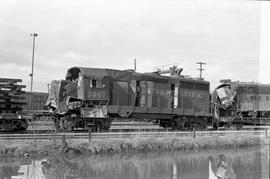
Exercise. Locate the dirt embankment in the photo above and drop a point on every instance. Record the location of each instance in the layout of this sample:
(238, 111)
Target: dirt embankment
(18, 148)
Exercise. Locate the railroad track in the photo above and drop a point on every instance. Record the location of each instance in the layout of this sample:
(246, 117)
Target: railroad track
(129, 135)
(48, 126)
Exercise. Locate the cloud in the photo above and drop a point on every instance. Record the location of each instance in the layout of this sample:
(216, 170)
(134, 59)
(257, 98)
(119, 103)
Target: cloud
(110, 34)
(265, 44)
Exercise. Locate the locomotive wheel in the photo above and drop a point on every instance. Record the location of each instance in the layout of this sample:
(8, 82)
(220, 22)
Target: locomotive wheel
(21, 125)
(189, 126)
(237, 126)
(106, 129)
(10, 125)
(203, 124)
(56, 125)
(65, 125)
(178, 124)
(215, 126)
(227, 126)
(2, 125)
(98, 127)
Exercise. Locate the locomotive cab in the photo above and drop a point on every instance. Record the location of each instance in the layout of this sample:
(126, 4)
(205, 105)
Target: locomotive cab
(93, 90)
(80, 101)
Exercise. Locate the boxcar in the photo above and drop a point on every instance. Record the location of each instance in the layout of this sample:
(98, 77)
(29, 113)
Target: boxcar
(93, 97)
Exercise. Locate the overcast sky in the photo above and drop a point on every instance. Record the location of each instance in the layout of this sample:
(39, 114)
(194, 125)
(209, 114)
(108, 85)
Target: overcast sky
(226, 34)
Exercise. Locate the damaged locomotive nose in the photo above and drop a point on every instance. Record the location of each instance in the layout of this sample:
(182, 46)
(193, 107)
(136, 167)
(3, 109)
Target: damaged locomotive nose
(59, 96)
(52, 100)
(51, 104)
(226, 96)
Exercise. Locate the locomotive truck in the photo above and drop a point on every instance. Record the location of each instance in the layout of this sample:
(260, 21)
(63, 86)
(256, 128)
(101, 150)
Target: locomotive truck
(93, 97)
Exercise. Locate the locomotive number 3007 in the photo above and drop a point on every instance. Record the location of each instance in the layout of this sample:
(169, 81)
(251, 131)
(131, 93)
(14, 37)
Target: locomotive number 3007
(96, 94)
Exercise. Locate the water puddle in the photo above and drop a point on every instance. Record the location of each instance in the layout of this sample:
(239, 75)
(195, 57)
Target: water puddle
(252, 163)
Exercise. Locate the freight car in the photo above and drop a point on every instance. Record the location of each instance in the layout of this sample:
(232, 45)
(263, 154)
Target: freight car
(18, 107)
(11, 106)
(34, 101)
(93, 97)
(240, 103)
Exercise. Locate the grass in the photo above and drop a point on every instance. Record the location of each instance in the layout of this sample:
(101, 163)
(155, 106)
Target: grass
(166, 144)
(46, 147)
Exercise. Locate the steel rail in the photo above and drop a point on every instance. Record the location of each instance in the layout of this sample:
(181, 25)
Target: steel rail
(130, 135)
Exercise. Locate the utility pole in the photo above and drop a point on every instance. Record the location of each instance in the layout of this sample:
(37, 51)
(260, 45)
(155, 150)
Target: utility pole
(33, 55)
(48, 87)
(135, 64)
(201, 69)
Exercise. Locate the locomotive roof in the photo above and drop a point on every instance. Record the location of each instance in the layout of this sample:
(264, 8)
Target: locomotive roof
(73, 74)
(242, 84)
(247, 87)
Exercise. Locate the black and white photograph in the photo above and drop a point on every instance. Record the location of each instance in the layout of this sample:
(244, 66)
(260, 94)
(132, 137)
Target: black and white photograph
(125, 89)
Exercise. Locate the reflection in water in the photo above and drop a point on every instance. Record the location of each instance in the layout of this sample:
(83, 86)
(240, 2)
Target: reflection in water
(220, 168)
(30, 171)
(251, 164)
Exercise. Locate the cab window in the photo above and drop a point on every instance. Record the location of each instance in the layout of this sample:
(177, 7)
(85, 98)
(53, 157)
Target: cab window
(96, 84)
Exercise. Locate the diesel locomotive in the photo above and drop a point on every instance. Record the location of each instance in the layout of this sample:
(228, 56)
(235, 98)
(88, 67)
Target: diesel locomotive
(93, 97)
(240, 103)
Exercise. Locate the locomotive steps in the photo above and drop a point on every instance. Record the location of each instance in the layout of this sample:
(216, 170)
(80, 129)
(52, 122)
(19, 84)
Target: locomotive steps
(117, 126)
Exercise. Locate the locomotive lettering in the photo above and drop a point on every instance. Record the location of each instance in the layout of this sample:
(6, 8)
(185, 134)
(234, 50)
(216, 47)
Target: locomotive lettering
(191, 94)
(163, 92)
(199, 106)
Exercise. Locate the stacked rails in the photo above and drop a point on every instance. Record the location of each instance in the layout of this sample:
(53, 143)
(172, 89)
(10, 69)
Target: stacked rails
(11, 105)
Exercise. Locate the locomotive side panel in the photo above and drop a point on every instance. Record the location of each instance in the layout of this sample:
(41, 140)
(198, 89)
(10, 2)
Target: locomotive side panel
(162, 97)
(264, 102)
(254, 98)
(120, 93)
(194, 98)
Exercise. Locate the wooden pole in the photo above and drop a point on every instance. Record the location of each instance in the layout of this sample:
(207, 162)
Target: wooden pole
(90, 135)
(174, 170)
(64, 142)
